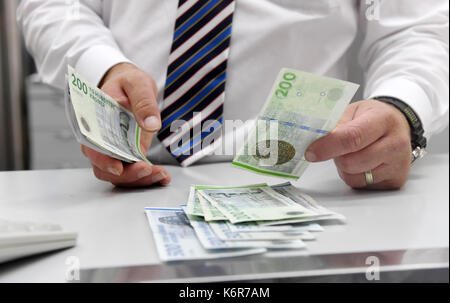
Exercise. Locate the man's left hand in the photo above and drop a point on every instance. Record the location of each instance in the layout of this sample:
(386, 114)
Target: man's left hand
(371, 136)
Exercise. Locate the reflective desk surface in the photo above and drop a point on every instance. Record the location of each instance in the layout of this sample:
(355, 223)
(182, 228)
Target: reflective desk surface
(406, 230)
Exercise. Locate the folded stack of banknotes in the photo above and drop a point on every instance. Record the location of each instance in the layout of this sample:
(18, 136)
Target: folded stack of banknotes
(220, 222)
(100, 122)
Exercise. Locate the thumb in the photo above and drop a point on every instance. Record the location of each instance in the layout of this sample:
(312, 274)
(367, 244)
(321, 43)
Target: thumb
(115, 91)
(141, 91)
(348, 137)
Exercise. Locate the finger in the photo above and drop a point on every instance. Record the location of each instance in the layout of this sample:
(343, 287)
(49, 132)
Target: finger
(380, 174)
(115, 91)
(131, 173)
(103, 162)
(388, 185)
(385, 176)
(159, 176)
(131, 178)
(347, 138)
(146, 141)
(141, 92)
(349, 113)
(366, 159)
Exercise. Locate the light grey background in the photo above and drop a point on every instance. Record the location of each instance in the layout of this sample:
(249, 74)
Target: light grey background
(53, 145)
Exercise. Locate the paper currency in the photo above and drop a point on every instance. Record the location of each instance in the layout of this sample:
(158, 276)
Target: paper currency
(179, 235)
(199, 206)
(255, 227)
(317, 212)
(176, 240)
(101, 123)
(193, 206)
(224, 233)
(209, 239)
(301, 108)
(210, 212)
(251, 203)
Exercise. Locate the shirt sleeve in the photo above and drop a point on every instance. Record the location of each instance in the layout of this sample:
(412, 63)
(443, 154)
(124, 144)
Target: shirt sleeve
(405, 55)
(58, 33)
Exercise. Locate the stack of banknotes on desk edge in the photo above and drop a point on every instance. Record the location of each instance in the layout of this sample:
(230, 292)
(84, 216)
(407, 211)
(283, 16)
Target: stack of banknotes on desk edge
(220, 222)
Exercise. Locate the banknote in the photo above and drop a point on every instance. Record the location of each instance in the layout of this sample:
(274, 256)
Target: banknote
(207, 210)
(101, 123)
(176, 240)
(301, 108)
(302, 220)
(251, 203)
(193, 206)
(311, 227)
(210, 240)
(317, 212)
(224, 233)
(255, 227)
(210, 212)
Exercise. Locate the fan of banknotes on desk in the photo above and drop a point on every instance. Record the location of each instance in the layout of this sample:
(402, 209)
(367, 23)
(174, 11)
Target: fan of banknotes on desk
(220, 222)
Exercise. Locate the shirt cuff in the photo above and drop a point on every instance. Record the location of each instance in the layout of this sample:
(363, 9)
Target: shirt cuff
(410, 93)
(97, 60)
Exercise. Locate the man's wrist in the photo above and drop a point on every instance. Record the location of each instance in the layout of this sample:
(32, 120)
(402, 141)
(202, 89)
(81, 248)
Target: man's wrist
(417, 132)
(114, 70)
(96, 60)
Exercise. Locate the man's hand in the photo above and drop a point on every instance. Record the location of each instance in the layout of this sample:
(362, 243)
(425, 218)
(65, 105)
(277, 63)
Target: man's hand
(135, 90)
(371, 136)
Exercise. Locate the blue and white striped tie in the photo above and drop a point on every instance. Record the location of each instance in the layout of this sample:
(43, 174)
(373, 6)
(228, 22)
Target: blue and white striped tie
(196, 76)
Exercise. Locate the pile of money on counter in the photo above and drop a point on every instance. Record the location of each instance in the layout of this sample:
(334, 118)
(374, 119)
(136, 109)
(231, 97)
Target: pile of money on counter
(220, 222)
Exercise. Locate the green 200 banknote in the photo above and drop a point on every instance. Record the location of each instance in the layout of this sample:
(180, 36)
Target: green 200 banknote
(300, 109)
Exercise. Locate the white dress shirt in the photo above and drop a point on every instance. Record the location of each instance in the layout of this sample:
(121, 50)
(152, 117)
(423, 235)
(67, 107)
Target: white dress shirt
(404, 53)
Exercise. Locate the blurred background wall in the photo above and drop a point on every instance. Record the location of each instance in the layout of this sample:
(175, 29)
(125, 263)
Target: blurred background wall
(14, 143)
(34, 133)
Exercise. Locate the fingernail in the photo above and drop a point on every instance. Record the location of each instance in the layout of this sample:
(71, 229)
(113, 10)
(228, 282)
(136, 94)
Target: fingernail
(144, 173)
(113, 171)
(159, 177)
(310, 156)
(121, 98)
(152, 123)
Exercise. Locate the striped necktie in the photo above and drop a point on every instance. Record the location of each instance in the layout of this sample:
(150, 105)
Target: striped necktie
(196, 76)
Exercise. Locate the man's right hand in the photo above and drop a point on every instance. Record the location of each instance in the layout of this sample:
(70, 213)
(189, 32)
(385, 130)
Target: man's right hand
(135, 90)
